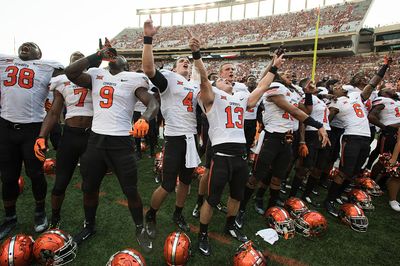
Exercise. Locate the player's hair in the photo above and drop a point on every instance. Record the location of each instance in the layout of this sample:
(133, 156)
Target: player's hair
(222, 65)
(176, 61)
(209, 75)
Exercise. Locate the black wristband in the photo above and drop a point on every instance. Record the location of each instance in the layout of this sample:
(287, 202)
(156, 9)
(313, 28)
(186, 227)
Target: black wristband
(148, 40)
(308, 100)
(196, 55)
(94, 60)
(309, 121)
(382, 71)
(273, 70)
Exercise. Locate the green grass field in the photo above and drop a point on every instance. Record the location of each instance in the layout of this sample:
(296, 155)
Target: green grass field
(115, 229)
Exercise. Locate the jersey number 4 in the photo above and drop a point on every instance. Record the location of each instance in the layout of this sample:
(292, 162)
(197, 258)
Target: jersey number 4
(239, 111)
(188, 101)
(24, 77)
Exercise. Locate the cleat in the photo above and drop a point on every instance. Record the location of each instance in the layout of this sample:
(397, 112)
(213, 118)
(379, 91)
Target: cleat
(150, 226)
(179, 220)
(7, 226)
(196, 211)
(312, 202)
(143, 239)
(235, 233)
(40, 222)
(87, 231)
(204, 244)
(330, 208)
(222, 208)
(239, 220)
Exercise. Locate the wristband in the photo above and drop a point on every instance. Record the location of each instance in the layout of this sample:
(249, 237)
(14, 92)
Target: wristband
(196, 55)
(148, 40)
(273, 70)
(94, 59)
(309, 121)
(308, 100)
(382, 71)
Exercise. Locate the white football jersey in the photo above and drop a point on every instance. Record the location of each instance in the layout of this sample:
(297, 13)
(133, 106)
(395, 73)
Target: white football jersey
(320, 113)
(237, 87)
(114, 100)
(226, 117)
(390, 114)
(178, 105)
(296, 98)
(77, 100)
(251, 114)
(352, 115)
(24, 88)
(275, 119)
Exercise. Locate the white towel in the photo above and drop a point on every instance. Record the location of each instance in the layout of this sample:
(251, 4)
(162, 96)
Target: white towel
(192, 157)
(259, 142)
(269, 235)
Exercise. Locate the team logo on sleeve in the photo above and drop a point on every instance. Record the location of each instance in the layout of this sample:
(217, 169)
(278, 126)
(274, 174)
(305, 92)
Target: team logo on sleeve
(179, 82)
(67, 83)
(99, 77)
(223, 97)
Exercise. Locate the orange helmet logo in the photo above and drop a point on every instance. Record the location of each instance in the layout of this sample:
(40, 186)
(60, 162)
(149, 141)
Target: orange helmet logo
(177, 249)
(126, 257)
(369, 186)
(248, 255)
(16, 251)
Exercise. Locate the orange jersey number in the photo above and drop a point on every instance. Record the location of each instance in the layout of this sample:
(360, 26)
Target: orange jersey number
(25, 78)
(107, 93)
(358, 109)
(82, 98)
(239, 123)
(188, 101)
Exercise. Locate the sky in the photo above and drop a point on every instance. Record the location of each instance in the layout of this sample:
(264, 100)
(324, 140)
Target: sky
(62, 27)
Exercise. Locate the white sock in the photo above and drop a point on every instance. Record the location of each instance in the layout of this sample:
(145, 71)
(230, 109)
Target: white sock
(395, 205)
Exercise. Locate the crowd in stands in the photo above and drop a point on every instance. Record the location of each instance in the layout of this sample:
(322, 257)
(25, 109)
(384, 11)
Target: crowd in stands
(346, 17)
(335, 67)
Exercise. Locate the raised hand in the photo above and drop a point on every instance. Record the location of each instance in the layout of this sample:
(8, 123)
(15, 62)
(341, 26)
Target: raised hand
(107, 52)
(194, 43)
(149, 29)
(278, 60)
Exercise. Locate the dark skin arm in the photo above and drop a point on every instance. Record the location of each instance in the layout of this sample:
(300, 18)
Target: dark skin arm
(53, 115)
(332, 112)
(373, 115)
(75, 73)
(150, 101)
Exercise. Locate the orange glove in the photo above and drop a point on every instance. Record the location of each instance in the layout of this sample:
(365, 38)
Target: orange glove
(47, 105)
(140, 128)
(303, 150)
(40, 148)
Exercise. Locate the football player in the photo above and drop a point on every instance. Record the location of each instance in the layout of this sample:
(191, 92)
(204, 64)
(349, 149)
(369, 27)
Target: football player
(349, 110)
(225, 113)
(78, 121)
(273, 160)
(178, 107)
(24, 88)
(385, 114)
(114, 94)
(394, 182)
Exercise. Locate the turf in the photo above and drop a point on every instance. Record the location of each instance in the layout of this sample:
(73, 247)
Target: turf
(115, 229)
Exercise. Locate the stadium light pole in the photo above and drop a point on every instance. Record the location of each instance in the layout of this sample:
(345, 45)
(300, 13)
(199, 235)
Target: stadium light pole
(288, 6)
(258, 9)
(273, 7)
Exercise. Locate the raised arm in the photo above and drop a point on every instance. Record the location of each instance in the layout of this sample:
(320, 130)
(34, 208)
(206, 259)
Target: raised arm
(148, 65)
(76, 71)
(206, 93)
(265, 82)
(366, 93)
